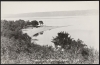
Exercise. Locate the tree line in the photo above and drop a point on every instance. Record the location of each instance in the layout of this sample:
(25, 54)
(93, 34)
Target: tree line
(9, 28)
(35, 23)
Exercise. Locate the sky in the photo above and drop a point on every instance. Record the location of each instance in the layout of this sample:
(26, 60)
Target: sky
(17, 7)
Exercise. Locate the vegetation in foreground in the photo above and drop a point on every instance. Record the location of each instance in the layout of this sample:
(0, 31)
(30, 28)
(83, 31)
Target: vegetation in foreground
(16, 48)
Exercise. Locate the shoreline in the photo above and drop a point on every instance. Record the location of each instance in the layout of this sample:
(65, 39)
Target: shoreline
(34, 30)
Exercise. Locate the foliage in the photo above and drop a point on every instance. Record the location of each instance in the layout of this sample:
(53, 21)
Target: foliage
(34, 23)
(41, 22)
(12, 29)
(62, 39)
(14, 51)
(28, 22)
(75, 47)
(16, 48)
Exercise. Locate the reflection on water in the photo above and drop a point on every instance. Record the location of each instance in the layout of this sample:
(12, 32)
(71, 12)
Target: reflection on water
(41, 33)
(37, 34)
(88, 36)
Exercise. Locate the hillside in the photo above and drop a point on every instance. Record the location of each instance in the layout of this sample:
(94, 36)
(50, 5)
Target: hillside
(56, 13)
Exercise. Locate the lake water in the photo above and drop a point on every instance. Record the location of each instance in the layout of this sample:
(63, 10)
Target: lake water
(85, 28)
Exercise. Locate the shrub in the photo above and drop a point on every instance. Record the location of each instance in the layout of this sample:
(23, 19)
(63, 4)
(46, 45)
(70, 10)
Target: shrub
(62, 39)
(34, 23)
(41, 22)
(71, 46)
(17, 48)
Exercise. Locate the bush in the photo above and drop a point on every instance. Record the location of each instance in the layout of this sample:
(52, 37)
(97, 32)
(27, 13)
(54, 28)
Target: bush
(19, 52)
(17, 48)
(71, 46)
(62, 39)
(12, 30)
(34, 23)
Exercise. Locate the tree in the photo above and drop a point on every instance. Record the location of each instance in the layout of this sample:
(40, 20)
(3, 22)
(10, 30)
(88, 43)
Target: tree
(34, 23)
(28, 22)
(62, 39)
(41, 22)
